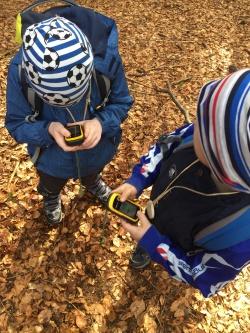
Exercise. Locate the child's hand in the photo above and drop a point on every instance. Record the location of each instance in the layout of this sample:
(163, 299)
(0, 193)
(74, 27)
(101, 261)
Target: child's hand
(58, 132)
(127, 191)
(92, 133)
(137, 232)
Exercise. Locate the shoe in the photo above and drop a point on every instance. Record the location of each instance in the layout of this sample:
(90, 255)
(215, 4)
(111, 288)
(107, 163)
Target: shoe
(100, 190)
(139, 258)
(52, 208)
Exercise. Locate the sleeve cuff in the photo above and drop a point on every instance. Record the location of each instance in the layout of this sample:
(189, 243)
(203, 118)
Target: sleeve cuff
(47, 137)
(137, 183)
(104, 130)
(151, 240)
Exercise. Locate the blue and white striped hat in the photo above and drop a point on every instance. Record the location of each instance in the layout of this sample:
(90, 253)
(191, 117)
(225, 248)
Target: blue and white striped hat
(224, 124)
(58, 61)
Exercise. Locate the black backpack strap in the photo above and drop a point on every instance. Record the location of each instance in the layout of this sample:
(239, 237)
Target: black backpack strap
(166, 141)
(104, 85)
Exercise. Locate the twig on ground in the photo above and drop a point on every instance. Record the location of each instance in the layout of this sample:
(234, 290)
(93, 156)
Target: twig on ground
(76, 308)
(181, 81)
(140, 83)
(163, 307)
(174, 99)
(145, 72)
(13, 173)
(151, 94)
(159, 322)
(170, 93)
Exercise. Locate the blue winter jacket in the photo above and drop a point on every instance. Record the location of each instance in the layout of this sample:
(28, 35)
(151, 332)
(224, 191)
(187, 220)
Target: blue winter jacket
(206, 269)
(53, 160)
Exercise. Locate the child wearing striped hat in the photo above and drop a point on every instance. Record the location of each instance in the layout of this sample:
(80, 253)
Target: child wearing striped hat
(197, 222)
(61, 66)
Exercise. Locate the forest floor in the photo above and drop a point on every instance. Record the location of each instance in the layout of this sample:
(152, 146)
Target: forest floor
(77, 278)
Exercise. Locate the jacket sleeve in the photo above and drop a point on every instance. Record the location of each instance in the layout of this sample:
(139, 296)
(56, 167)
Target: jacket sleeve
(146, 171)
(119, 103)
(205, 270)
(17, 109)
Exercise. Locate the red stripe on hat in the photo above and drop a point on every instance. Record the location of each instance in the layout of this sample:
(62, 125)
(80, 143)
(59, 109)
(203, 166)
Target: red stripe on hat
(228, 181)
(214, 108)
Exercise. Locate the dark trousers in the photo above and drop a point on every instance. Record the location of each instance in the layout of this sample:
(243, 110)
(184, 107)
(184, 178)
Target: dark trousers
(54, 185)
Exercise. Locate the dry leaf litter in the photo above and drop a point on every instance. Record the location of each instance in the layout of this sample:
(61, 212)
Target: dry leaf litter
(76, 278)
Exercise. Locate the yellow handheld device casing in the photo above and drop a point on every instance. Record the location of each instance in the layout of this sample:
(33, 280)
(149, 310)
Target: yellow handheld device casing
(121, 208)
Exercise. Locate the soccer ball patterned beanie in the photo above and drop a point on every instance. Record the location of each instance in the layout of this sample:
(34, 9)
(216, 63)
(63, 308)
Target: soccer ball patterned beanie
(58, 61)
(224, 124)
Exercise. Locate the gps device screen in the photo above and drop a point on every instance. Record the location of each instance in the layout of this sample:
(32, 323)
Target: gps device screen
(74, 131)
(126, 208)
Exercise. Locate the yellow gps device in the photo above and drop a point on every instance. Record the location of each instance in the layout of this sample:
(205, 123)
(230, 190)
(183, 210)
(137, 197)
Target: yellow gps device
(76, 135)
(127, 209)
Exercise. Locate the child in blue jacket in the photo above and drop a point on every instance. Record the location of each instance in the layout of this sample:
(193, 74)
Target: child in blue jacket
(60, 65)
(197, 222)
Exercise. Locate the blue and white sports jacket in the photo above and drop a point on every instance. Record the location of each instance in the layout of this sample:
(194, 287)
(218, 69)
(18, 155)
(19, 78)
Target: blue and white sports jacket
(206, 270)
